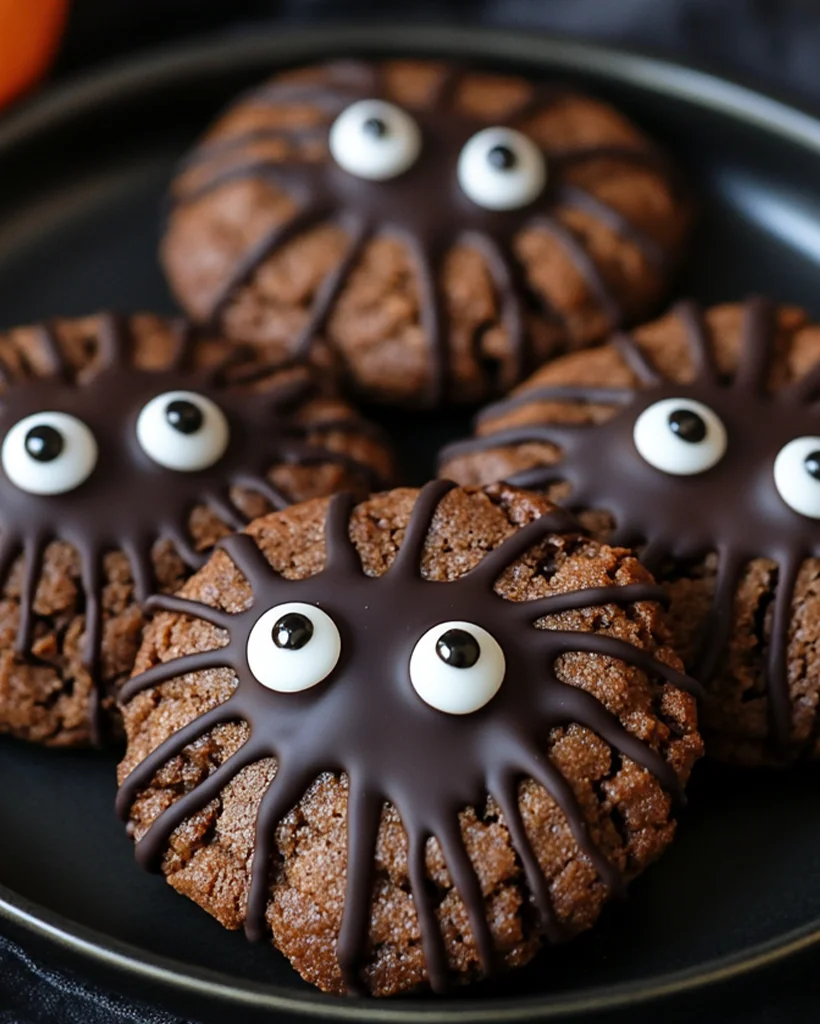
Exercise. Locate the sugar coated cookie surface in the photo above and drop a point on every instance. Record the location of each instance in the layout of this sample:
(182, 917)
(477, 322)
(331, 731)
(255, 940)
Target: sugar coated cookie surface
(431, 233)
(409, 740)
(128, 447)
(698, 441)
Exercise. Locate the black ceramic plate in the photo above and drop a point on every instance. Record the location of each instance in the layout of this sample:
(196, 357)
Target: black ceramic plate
(82, 172)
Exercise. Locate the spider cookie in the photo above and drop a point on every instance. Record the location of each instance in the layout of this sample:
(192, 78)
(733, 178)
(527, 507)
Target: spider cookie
(433, 233)
(127, 448)
(408, 740)
(697, 440)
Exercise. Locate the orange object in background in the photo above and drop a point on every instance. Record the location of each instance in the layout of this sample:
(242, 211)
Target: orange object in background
(30, 32)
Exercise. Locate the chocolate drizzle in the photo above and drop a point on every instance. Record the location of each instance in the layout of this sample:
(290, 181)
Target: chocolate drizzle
(330, 727)
(425, 207)
(129, 501)
(733, 509)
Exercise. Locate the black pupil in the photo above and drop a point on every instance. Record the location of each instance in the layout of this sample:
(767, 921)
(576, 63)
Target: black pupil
(292, 631)
(376, 127)
(184, 416)
(44, 443)
(502, 158)
(687, 425)
(458, 648)
(812, 464)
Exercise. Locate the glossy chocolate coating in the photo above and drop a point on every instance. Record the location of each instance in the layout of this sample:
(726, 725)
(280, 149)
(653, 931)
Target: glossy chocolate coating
(425, 207)
(330, 727)
(733, 508)
(129, 501)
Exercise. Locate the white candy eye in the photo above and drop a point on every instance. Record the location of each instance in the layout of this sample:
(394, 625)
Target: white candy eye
(457, 667)
(292, 647)
(49, 453)
(501, 169)
(375, 140)
(680, 436)
(182, 430)
(797, 475)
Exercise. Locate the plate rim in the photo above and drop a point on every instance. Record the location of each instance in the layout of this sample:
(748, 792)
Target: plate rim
(112, 954)
(91, 91)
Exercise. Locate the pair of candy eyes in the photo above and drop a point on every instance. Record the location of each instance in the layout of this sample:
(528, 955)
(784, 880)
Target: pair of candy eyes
(684, 437)
(54, 452)
(455, 667)
(498, 168)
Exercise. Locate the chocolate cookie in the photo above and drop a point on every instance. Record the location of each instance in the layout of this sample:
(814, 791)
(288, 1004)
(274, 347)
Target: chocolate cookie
(698, 439)
(408, 740)
(129, 447)
(433, 233)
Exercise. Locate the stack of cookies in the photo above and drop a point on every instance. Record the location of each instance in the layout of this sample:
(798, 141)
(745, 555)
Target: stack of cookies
(410, 736)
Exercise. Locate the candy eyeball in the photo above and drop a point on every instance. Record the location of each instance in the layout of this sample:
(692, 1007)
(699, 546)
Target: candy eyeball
(49, 453)
(375, 140)
(292, 647)
(457, 667)
(680, 436)
(182, 430)
(797, 475)
(501, 169)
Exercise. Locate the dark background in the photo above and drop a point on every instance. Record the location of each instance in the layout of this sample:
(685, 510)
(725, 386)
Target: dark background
(774, 44)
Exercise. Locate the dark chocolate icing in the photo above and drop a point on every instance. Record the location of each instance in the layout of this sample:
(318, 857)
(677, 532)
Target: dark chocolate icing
(733, 509)
(425, 207)
(428, 764)
(129, 501)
